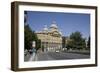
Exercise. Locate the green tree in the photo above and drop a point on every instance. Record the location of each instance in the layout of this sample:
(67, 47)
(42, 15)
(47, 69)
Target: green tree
(69, 44)
(38, 44)
(29, 37)
(88, 43)
(76, 41)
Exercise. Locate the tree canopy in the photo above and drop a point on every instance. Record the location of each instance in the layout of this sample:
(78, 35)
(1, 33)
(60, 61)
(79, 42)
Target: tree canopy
(29, 37)
(88, 43)
(76, 41)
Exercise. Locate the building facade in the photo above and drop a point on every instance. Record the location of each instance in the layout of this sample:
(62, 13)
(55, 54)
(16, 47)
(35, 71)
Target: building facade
(51, 38)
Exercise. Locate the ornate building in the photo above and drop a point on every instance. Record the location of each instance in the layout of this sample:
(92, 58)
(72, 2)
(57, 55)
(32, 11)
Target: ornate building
(51, 38)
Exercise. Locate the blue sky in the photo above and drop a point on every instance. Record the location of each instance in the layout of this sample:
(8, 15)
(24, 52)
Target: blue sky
(66, 22)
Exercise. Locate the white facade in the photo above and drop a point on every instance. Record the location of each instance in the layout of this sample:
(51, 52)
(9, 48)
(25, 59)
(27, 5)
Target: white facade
(51, 38)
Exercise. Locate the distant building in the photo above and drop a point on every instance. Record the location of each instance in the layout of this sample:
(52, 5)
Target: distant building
(65, 41)
(51, 38)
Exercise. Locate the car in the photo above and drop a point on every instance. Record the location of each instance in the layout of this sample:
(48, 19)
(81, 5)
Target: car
(30, 51)
(57, 51)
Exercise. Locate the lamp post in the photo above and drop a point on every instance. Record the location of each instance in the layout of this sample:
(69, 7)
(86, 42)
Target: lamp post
(33, 46)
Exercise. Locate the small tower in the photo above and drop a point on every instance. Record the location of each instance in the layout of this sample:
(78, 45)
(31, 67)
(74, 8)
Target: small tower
(60, 32)
(53, 26)
(45, 29)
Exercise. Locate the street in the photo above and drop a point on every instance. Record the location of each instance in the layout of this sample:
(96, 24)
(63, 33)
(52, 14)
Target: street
(56, 56)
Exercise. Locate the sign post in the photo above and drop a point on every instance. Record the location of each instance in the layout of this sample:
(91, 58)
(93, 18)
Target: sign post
(33, 44)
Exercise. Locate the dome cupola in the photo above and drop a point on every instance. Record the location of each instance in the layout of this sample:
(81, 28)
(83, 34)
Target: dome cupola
(45, 28)
(53, 25)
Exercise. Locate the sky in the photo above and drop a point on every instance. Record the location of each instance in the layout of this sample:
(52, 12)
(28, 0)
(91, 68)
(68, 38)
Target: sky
(66, 22)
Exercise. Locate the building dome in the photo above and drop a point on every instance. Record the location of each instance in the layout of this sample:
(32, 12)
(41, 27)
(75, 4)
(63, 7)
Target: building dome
(60, 33)
(45, 28)
(53, 25)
